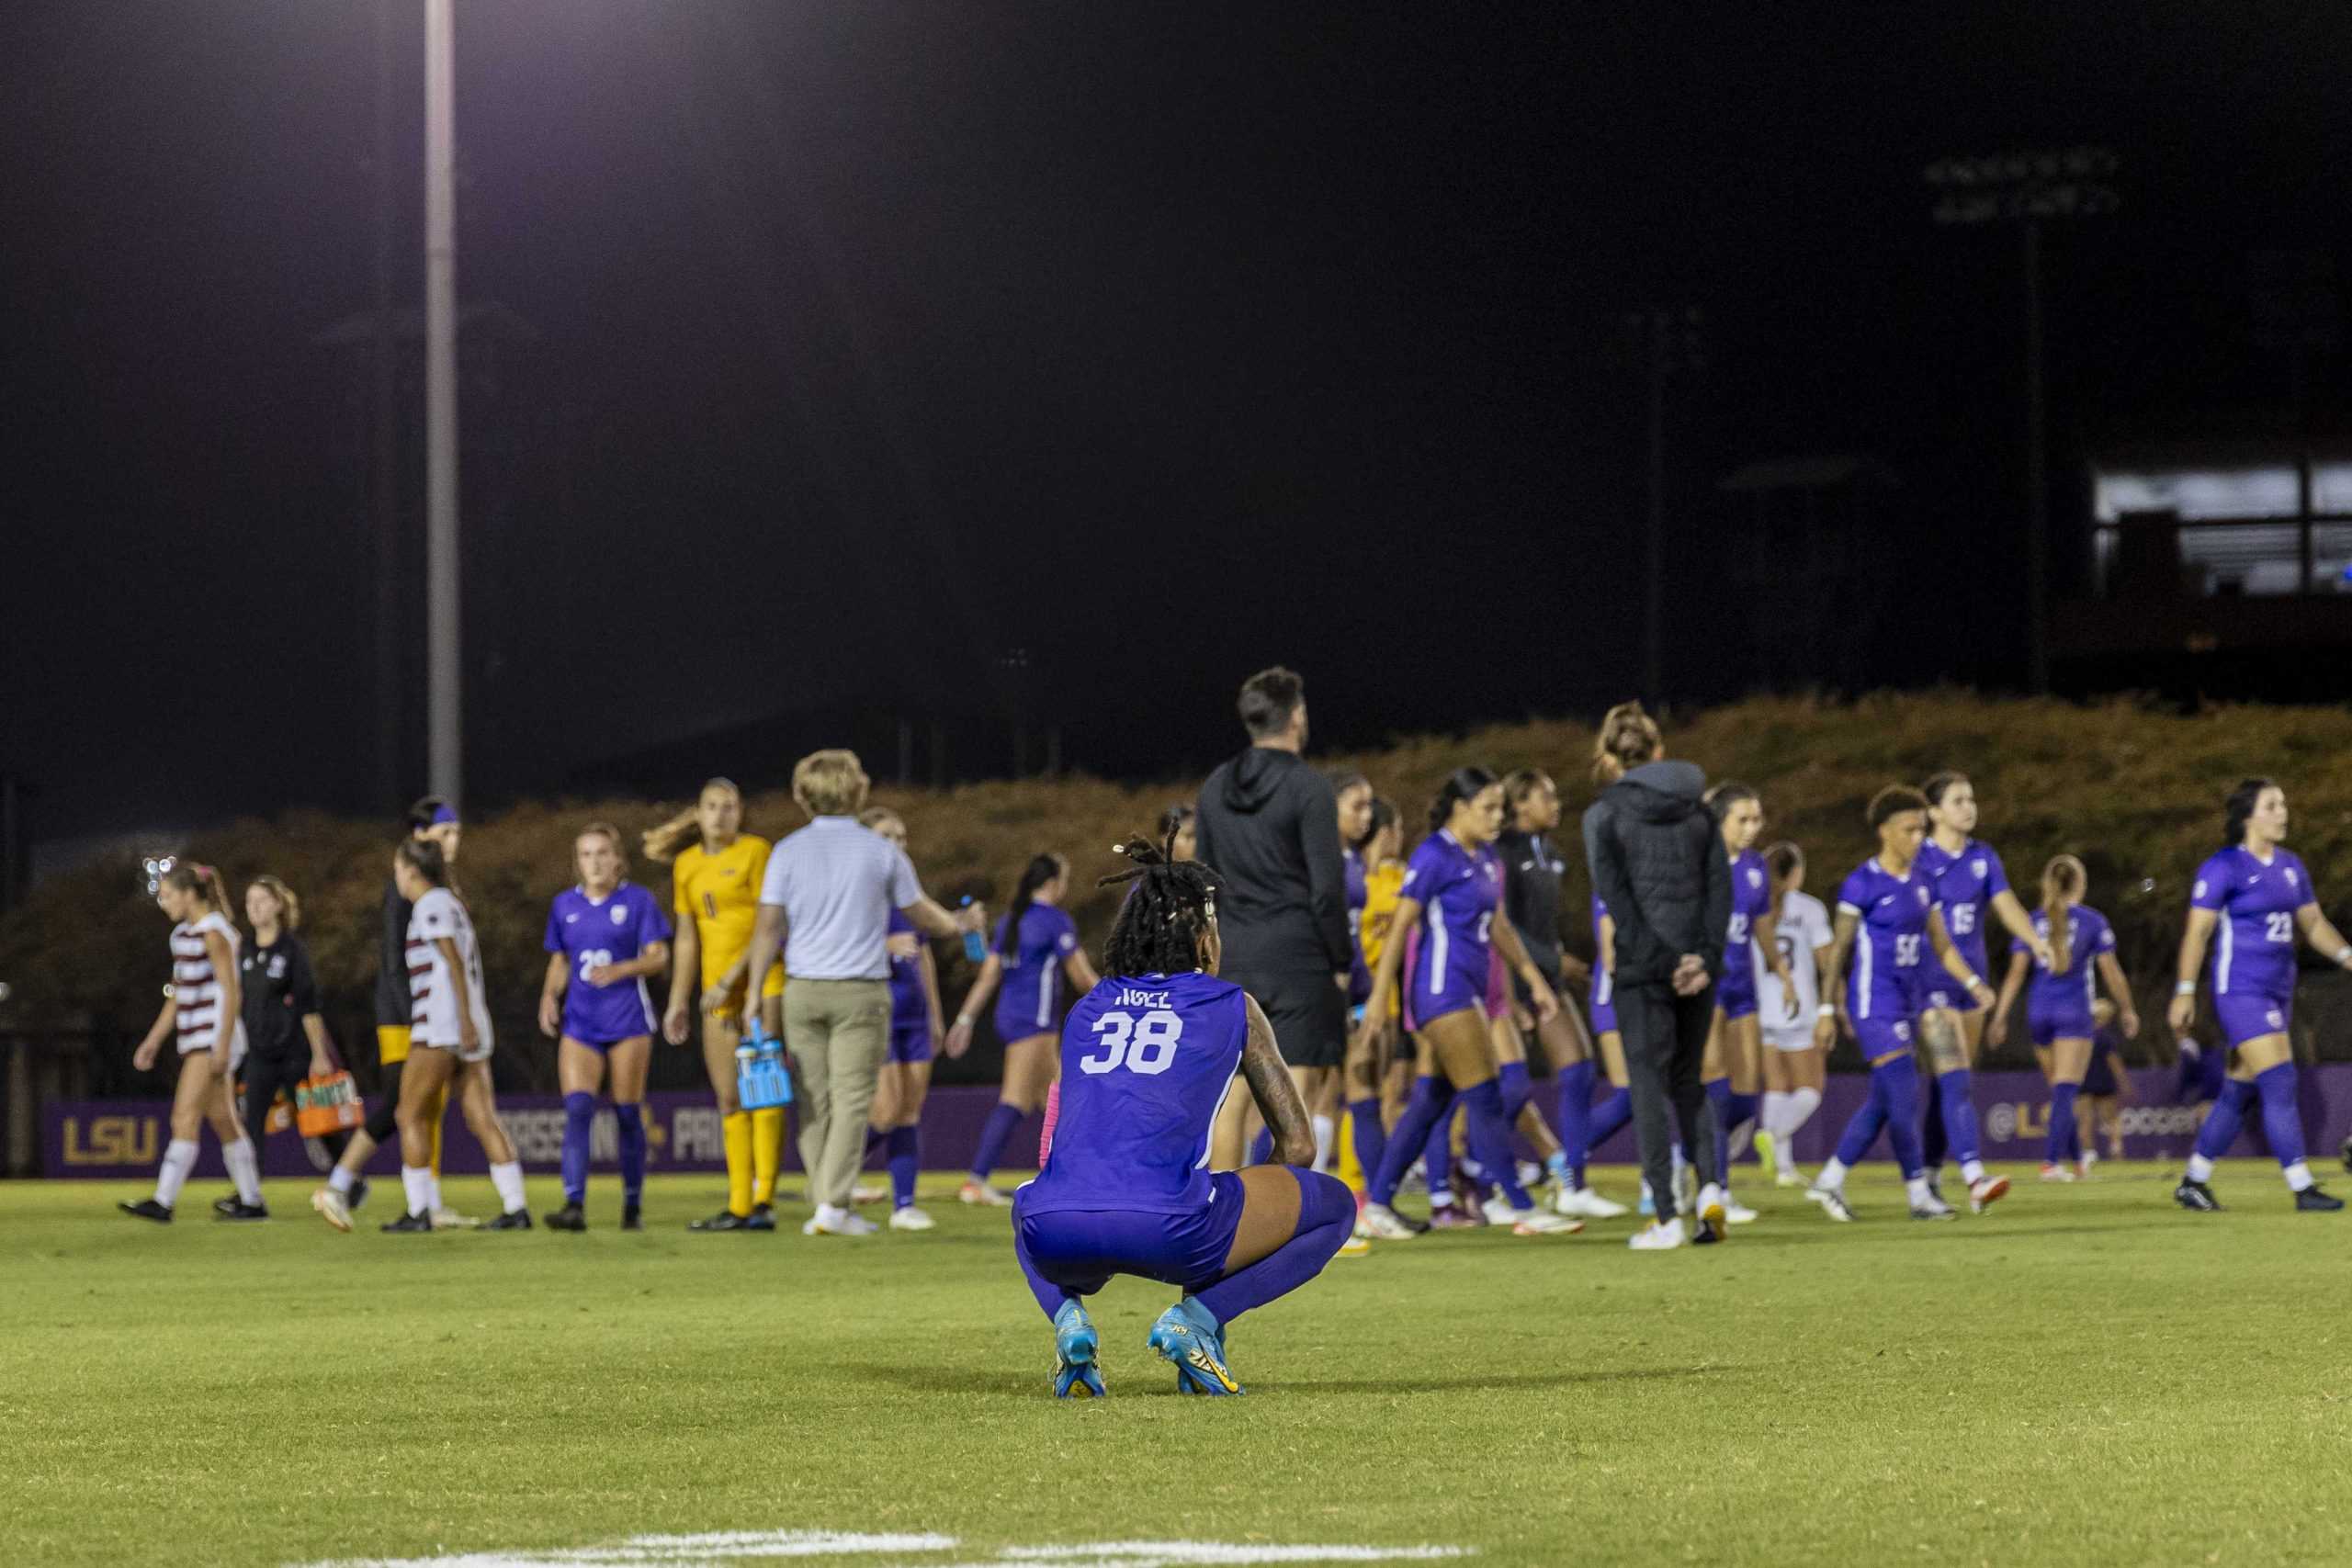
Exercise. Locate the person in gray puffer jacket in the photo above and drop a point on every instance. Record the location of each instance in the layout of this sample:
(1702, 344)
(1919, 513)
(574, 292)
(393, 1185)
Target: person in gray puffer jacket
(1658, 868)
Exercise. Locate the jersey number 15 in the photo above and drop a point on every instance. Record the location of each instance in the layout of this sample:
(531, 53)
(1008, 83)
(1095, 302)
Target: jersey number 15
(1146, 1045)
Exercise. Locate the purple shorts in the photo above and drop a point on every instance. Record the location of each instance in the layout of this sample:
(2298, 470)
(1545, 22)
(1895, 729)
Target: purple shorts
(911, 1041)
(1079, 1250)
(1947, 993)
(1497, 1001)
(1882, 1036)
(1421, 1007)
(2249, 1015)
(1604, 1004)
(2059, 1024)
(1736, 993)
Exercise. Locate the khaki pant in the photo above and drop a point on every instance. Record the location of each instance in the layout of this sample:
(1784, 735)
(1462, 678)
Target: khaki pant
(839, 1031)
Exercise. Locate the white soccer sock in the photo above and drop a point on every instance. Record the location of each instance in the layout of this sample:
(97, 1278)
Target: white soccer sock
(1972, 1171)
(1833, 1175)
(2200, 1169)
(179, 1158)
(417, 1182)
(432, 1190)
(1917, 1188)
(2298, 1175)
(244, 1169)
(1326, 1136)
(1774, 1111)
(508, 1179)
(1803, 1103)
(340, 1179)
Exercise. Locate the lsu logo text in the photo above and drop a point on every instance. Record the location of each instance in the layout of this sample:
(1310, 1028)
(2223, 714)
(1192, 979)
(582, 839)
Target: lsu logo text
(113, 1140)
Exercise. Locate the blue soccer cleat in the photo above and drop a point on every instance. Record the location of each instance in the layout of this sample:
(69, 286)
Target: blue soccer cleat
(1190, 1338)
(1075, 1372)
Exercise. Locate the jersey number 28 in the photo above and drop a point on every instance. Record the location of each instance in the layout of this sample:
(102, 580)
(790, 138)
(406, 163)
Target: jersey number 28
(1146, 1045)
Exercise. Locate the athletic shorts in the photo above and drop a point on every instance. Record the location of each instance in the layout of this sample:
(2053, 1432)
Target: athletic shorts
(1081, 1249)
(1943, 991)
(1496, 1003)
(1308, 1012)
(1603, 1011)
(2101, 1078)
(1735, 994)
(236, 1051)
(1788, 1039)
(911, 1041)
(1881, 1036)
(2249, 1015)
(2049, 1024)
(391, 1045)
(479, 1054)
(602, 1046)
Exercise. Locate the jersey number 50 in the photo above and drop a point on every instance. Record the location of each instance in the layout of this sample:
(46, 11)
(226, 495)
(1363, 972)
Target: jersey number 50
(1146, 1045)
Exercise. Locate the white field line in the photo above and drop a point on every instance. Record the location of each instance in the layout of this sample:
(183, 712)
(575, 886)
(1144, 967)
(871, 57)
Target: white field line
(717, 1549)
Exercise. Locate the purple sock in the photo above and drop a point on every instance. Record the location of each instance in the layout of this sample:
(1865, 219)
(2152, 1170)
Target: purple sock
(1516, 1087)
(1863, 1130)
(905, 1145)
(1743, 1112)
(2221, 1129)
(1001, 1122)
(632, 1141)
(1429, 1098)
(1326, 1216)
(1609, 1119)
(1050, 1296)
(1489, 1141)
(1719, 1096)
(1370, 1138)
(579, 1111)
(2061, 1123)
(1933, 1141)
(1576, 1118)
(1900, 1078)
(1958, 1122)
(1437, 1151)
(1261, 1148)
(2281, 1123)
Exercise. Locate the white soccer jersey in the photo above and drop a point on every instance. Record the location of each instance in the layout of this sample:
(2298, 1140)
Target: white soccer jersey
(433, 1000)
(195, 990)
(1803, 929)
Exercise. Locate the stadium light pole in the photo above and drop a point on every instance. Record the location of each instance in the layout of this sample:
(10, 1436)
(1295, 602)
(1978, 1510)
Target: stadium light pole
(2028, 189)
(1664, 341)
(444, 685)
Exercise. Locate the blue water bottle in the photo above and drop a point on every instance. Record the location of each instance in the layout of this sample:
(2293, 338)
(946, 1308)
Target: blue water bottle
(975, 948)
(762, 1080)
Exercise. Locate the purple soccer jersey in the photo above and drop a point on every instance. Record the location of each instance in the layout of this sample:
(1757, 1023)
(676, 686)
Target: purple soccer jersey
(2253, 948)
(1146, 1061)
(908, 1003)
(2058, 1002)
(593, 932)
(1604, 986)
(1459, 893)
(1967, 883)
(1030, 999)
(1883, 975)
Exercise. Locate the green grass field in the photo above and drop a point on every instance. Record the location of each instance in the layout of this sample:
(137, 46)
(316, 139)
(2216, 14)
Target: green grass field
(2087, 1375)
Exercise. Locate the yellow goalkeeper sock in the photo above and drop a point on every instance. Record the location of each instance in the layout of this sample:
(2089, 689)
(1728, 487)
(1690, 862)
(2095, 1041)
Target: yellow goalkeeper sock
(736, 1128)
(767, 1152)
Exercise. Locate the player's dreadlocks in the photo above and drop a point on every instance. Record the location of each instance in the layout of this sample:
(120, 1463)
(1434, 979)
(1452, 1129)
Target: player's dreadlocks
(1159, 926)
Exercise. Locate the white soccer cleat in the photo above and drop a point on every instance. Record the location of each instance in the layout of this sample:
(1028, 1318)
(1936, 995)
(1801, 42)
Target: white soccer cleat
(830, 1221)
(1536, 1221)
(910, 1219)
(1385, 1224)
(1499, 1211)
(981, 1194)
(450, 1220)
(1832, 1201)
(1355, 1246)
(1584, 1204)
(1788, 1176)
(1933, 1208)
(1737, 1213)
(332, 1208)
(2053, 1172)
(1658, 1235)
(1987, 1191)
(1711, 1207)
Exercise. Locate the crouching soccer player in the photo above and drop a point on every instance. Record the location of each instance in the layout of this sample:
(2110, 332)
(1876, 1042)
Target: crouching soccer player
(1146, 1056)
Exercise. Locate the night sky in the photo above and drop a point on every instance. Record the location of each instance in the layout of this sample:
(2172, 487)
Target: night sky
(875, 340)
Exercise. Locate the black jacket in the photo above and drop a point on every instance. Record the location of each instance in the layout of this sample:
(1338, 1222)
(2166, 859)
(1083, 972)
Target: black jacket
(1532, 896)
(393, 1002)
(1659, 865)
(1269, 827)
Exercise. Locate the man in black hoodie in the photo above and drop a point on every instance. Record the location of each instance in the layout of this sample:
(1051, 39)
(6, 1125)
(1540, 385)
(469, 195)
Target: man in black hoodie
(1269, 825)
(1659, 868)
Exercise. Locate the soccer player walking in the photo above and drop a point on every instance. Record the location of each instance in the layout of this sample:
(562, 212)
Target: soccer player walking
(1888, 917)
(915, 1030)
(2255, 895)
(1794, 1074)
(2081, 946)
(1735, 1045)
(202, 1015)
(604, 937)
(286, 1034)
(1126, 1190)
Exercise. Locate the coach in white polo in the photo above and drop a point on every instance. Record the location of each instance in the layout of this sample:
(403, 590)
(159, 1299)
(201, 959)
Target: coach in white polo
(826, 904)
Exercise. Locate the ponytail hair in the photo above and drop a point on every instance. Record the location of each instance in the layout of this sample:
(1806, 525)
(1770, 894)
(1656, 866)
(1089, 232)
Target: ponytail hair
(1382, 817)
(289, 906)
(1461, 784)
(424, 857)
(663, 843)
(1628, 737)
(2239, 808)
(1041, 869)
(2062, 882)
(205, 882)
(1784, 860)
